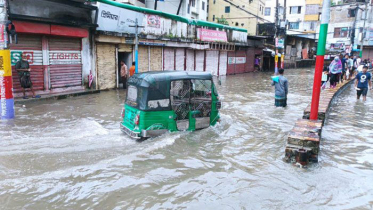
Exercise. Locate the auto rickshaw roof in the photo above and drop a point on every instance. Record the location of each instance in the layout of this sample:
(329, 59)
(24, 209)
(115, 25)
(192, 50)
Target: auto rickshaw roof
(154, 78)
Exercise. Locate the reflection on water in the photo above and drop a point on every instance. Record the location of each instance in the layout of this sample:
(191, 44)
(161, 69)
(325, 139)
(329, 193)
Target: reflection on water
(70, 154)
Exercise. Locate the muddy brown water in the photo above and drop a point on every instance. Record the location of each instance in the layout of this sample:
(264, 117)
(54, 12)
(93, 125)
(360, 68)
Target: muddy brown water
(70, 154)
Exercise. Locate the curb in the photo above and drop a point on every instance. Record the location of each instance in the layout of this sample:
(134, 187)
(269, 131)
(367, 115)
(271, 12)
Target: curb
(55, 97)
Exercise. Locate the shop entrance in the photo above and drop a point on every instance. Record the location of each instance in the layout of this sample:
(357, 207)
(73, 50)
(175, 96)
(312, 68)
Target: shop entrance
(126, 57)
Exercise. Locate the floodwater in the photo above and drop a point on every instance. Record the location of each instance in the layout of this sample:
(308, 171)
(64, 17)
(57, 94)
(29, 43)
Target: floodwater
(70, 154)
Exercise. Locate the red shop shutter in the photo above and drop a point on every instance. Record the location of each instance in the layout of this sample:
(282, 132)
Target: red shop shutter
(212, 59)
(31, 47)
(190, 60)
(180, 59)
(65, 62)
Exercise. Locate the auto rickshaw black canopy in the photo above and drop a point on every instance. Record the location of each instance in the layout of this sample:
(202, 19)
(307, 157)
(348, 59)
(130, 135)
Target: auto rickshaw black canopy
(156, 85)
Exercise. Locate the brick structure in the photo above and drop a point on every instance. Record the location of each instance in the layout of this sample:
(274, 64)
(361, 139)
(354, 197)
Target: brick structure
(303, 142)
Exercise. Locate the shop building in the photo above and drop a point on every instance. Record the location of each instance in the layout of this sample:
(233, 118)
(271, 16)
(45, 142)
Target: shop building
(55, 37)
(166, 42)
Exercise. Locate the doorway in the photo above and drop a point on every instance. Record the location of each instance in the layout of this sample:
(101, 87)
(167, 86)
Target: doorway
(127, 58)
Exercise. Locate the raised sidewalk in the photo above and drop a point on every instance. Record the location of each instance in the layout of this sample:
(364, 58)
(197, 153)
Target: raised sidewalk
(303, 143)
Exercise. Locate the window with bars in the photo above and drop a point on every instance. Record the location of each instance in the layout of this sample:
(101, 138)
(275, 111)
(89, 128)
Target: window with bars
(267, 11)
(296, 10)
(340, 32)
(227, 9)
(294, 25)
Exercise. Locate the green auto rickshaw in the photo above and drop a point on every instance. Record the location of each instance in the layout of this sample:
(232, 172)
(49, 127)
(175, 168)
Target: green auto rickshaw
(159, 102)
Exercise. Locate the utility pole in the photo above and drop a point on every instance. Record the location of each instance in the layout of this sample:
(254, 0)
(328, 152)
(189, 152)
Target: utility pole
(137, 26)
(284, 37)
(364, 30)
(155, 4)
(325, 16)
(6, 85)
(354, 29)
(276, 31)
(178, 9)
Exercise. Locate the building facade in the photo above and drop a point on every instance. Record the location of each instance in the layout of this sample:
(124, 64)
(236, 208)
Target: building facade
(55, 37)
(192, 9)
(302, 16)
(167, 42)
(350, 28)
(138, 3)
(244, 14)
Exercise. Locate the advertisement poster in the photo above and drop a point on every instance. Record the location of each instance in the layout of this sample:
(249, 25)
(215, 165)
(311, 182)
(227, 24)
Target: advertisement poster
(117, 19)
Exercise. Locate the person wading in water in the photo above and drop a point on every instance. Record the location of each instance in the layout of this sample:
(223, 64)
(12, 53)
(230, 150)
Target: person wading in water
(23, 69)
(281, 89)
(363, 80)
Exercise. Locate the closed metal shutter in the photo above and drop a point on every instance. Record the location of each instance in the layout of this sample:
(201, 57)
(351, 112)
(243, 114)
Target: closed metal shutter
(65, 62)
(31, 47)
(223, 63)
(212, 59)
(156, 59)
(180, 59)
(200, 60)
(143, 59)
(190, 60)
(169, 59)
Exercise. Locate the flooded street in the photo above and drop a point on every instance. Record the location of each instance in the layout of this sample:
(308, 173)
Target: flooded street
(71, 154)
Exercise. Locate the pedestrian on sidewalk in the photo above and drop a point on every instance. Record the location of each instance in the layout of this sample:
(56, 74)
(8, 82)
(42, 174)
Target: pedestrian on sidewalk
(350, 67)
(335, 69)
(133, 69)
(24, 73)
(124, 74)
(362, 82)
(344, 66)
(257, 63)
(324, 77)
(281, 89)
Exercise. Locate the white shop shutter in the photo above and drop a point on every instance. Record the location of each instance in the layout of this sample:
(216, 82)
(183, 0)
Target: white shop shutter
(180, 59)
(212, 59)
(65, 62)
(190, 60)
(169, 59)
(200, 60)
(223, 63)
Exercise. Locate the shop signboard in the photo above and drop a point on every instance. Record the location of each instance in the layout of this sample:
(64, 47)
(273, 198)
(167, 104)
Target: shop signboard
(64, 57)
(212, 35)
(117, 19)
(15, 56)
(236, 60)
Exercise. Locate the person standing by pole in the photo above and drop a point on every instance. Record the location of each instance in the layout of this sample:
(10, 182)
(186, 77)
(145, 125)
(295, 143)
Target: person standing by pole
(325, 16)
(6, 85)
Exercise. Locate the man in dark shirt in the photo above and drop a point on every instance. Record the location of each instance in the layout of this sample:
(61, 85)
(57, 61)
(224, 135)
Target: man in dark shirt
(23, 69)
(363, 79)
(344, 64)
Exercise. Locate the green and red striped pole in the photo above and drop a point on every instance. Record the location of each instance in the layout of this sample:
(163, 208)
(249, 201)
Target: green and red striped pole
(325, 16)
